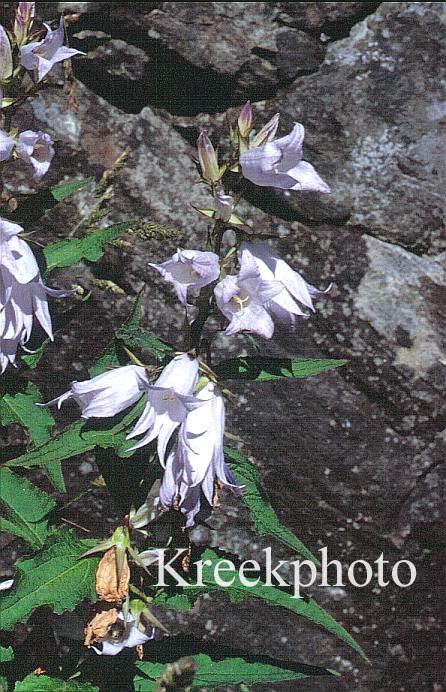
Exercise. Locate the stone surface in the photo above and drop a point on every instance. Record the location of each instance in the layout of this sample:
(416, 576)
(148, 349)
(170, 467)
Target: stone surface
(354, 459)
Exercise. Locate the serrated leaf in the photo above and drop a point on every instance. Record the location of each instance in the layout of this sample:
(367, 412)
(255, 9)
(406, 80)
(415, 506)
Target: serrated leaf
(38, 422)
(91, 247)
(213, 673)
(43, 683)
(64, 190)
(24, 508)
(83, 436)
(306, 608)
(261, 368)
(265, 519)
(6, 654)
(55, 577)
(34, 206)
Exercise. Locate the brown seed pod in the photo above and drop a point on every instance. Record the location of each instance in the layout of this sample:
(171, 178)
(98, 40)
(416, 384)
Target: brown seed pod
(107, 586)
(98, 627)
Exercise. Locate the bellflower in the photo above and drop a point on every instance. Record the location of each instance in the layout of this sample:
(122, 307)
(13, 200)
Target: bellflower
(23, 19)
(36, 148)
(223, 205)
(244, 121)
(244, 298)
(22, 293)
(106, 394)
(189, 269)
(279, 164)
(168, 402)
(207, 157)
(296, 292)
(198, 463)
(7, 144)
(132, 636)
(6, 65)
(40, 56)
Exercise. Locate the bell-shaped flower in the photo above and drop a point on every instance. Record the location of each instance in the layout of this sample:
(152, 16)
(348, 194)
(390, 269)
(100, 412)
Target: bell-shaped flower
(23, 19)
(244, 298)
(40, 56)
(106, 394)
(36, 148)
(189, 269)
(168, 402)
(296, 294)
(6, 64)
(197, 466)
(279, 164)
(124, 634)
(223, 205)
(22, 293)
(7, 144)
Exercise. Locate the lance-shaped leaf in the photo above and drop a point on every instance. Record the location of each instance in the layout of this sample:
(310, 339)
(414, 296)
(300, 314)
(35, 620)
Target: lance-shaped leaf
(43, 683)
(212, 673)
(64, 190)
(38, 422)
(55, 577)
(24, 508)
(265, 519)
(305, 607)
(91, 247)
(263, 368)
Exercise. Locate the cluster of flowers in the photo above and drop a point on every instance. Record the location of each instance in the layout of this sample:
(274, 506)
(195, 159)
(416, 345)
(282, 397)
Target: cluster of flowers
(24, 62)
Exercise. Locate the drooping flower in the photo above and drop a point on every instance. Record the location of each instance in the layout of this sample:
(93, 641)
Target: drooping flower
(40, 56)
(23, 294)
(243, 299)
(197, 463)
(189, 269)
(6, 64)
(23, 19)
(223, 205)
(208, 159)
(168, 402)
(106, 394)
(36, 148)
(279, 164)
(124, 634)
(7, 144)
(296, 292)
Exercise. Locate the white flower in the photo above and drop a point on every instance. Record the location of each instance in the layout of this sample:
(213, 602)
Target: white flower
(36, 148)
(168, 402)
(40, 56)
(6, 64)
(23, 294)
(7, 144)
(131, 636)
(198, 459)
(189, 269)
(106, 394)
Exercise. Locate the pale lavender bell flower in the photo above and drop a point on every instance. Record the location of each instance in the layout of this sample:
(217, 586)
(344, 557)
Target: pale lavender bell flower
(244, 298)
(132, 636)
(6, 64)
(296, 294)
(279, 164)
(36, 148)
(106, 394)
(7, 145)
(168, 402)
(189, 269)
(40, 56)
(23, 294)
(197, 462)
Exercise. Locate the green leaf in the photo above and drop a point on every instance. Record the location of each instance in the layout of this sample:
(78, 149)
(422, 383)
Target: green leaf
(38, 422)
(261, 369)
(91, 247)
(64, 190)
(134, 336)
(55, 577)
(228, 671)
(24, 507)
(4, 687)
(265, 519)
(43, 683)
(6, 654)
(83, 436)
(306, 608)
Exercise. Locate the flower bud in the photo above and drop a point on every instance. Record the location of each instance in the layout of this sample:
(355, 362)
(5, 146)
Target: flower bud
(267, 133)
(208, 159)
(5, 55)
(223, 205)
(23, 19)
(244, 121)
